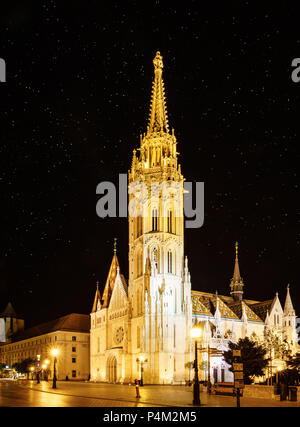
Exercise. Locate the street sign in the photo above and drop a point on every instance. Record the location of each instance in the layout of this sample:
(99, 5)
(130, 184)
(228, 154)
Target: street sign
(238, 375)
(236, 353)
(237, 366)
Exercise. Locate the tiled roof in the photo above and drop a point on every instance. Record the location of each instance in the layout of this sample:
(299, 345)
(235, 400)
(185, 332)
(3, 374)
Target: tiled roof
(73, 322)
(261, 308)
(205, 303)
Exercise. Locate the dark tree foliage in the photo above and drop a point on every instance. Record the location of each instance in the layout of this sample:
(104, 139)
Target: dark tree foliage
(24, 366)
(253, 357)
(291, 375)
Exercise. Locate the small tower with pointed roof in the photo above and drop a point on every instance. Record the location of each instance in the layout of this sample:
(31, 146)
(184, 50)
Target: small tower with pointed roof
(236, 283)
(13, 322)
(289, 320)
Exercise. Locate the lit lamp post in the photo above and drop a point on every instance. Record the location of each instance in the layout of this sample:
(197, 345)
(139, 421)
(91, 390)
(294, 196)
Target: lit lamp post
(46, 368)
(277, 374)
(32, 369)
(142, 361)
(38, 369)
(196, 334)
(54, 353)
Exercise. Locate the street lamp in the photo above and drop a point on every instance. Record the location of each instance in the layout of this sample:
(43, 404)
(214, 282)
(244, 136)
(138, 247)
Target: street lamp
(279, 368)
(196, 334)
(32, 369)
(142, 360)
(46, 367)
(38, 368)
(54, 353)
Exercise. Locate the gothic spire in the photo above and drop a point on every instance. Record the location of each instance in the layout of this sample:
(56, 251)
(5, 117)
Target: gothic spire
(288, 306)
(158, 120)
(97, 299)
(236, 284)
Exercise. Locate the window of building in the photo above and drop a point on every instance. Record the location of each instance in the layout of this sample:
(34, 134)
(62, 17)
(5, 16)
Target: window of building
(73, 359)
(154, 220)
(73, 349)
(73, 374)
(170, 261)
(170, 221)
(73, 338)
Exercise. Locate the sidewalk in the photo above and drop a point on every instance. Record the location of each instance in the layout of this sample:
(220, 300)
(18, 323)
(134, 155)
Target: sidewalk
(150, 394)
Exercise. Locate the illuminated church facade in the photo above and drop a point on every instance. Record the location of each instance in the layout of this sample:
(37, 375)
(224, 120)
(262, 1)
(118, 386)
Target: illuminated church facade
(144, 324)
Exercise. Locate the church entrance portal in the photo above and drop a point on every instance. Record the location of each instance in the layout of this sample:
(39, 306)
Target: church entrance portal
(111, 369)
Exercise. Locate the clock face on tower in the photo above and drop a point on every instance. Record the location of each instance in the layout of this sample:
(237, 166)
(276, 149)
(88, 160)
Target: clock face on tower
(119, 335)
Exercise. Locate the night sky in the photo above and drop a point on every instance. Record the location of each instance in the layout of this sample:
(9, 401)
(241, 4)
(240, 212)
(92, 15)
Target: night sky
(77, 97)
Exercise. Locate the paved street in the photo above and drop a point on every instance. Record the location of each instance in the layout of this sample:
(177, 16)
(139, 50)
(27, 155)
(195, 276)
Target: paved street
(81, 394)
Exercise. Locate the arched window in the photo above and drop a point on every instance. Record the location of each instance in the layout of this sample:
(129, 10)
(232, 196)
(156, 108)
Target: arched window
(154, 220)
(139, 264)
(170, 261)
(170, 221)
(139, 226)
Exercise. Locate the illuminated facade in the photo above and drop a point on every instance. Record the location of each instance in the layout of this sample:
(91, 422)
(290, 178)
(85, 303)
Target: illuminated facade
(147, 323)
(68, 334)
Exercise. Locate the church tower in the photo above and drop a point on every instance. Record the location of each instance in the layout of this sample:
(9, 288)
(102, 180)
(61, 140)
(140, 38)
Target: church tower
(159, 281)
(289, 321)
(236, 283)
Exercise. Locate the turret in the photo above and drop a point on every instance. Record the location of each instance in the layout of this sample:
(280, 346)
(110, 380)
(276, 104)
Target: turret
(289, 320)
(236, 283)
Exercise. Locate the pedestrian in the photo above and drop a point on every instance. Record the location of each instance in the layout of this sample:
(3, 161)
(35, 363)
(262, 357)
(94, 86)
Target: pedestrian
(137, 388)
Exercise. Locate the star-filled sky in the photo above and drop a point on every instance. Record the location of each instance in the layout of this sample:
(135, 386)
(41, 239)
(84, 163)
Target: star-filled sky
(77, 96)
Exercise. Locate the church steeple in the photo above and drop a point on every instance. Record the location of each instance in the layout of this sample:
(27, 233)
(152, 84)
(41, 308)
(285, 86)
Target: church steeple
(288, 306)
(236, 283)
(158, 120)
(110, 281)
(97, 299)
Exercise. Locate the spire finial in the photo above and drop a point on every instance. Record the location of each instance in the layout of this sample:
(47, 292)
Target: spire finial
(115, 245)
(236, 283)
(97, 285)
(158, 62)
(158, 121)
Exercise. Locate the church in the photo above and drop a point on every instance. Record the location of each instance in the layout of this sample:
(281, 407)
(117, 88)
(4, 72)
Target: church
(141, 326)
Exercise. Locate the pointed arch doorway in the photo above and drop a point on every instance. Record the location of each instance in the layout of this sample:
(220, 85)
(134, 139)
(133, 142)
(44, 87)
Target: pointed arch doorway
(111, 369)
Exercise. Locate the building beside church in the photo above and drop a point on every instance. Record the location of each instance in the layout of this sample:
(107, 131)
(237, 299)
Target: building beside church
(144, 323)
(69, 334)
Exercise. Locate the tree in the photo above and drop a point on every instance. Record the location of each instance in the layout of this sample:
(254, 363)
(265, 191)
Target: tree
(253, 357)
(24, 366)
(291, 375)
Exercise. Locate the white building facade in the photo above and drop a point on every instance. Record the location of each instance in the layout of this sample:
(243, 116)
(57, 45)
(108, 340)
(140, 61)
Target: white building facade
(143, 327)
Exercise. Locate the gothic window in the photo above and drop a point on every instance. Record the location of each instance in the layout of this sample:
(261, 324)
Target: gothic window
(170, 261)
(98, 345)
(139, 264)
(154, 220)
(139, 226)
(170, 221)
